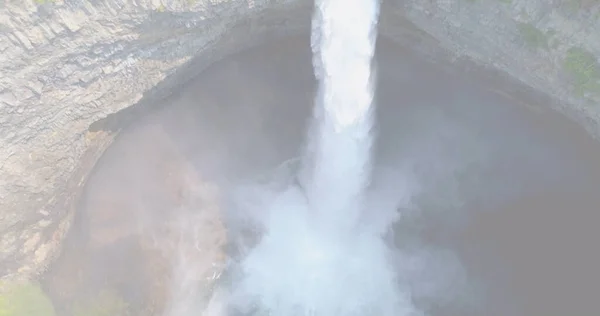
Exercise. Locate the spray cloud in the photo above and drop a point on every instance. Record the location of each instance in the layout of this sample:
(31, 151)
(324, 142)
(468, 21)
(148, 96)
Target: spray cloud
(320, 249)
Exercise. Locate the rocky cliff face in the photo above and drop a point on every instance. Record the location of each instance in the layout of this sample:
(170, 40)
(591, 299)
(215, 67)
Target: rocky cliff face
(552, 46)
(69, 65)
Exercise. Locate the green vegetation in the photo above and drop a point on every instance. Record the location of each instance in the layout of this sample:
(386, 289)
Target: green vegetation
(533, 37)
(584, 70)
(106, 303)
(40, 2)
(25, 299)
(579, 5)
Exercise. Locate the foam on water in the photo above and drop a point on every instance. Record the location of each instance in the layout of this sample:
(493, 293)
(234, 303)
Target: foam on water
(316, 254)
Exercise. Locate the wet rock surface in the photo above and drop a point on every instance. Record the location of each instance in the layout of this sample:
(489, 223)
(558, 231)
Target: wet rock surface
(136, 229)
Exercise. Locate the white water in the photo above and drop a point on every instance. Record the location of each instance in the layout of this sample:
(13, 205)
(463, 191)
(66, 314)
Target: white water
(321, 251)
(339, 153)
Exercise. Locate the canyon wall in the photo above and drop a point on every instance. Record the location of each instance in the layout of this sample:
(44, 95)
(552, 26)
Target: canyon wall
(75, 71)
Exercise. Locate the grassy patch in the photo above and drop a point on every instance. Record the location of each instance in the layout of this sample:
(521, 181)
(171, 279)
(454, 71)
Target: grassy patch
(533, 37)
(584, 70)
(26, 299)
(106, 303)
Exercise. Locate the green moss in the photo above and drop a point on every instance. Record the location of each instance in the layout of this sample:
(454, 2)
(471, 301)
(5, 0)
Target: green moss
(584, 70)
(106, 303)
(533, 37)
(25, 299)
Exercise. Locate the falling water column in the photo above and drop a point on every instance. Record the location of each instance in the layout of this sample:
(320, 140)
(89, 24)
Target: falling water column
(339, 152)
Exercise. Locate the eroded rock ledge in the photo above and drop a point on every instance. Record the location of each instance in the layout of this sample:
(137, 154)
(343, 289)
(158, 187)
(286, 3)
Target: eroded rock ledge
(69, 65)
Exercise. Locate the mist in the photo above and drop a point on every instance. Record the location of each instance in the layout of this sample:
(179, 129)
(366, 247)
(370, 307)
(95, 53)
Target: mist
(176, 213)
(320, 249)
